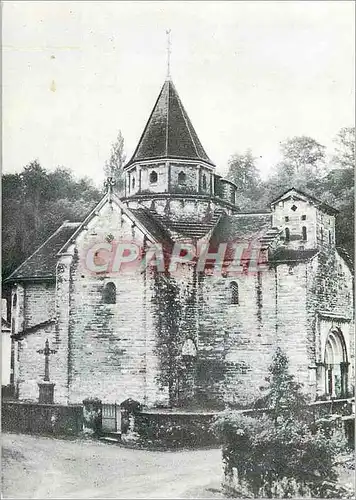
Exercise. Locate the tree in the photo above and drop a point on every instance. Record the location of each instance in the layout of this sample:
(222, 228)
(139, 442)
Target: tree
(281, 451)
(35, 203)
(284, 394)
(345, 148)
(303, 153)
(244, 173)
(114, 166)
(303, 161)
(35, 187)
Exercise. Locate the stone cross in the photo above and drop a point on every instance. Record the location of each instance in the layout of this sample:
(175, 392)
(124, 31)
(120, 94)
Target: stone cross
(47, 352)
(109, 184)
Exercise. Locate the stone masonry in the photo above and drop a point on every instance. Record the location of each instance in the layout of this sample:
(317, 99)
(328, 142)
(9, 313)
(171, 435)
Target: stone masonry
(193, 338)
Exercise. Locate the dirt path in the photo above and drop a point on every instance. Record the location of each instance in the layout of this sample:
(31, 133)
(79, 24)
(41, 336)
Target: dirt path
(39, 467)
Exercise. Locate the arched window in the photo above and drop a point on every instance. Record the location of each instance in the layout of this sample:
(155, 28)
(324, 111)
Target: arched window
(287, 233)
(234, 293)
(153, 177)
(109, 293)
(14, 300)
(321, 235)
(133, 182)
(182, 178)
(203, 181)
(336, 365)
(304, 230)
(330, 239)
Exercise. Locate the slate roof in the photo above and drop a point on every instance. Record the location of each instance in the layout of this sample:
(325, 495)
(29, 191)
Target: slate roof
(42, 263)
(241, 227)
(5, 325)
(188, 228)
(33, 328)
(151, 223)
(289, 255)
(169, 132)
(347, 258)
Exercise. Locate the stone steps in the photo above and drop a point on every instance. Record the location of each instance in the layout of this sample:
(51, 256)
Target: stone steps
(111, 437)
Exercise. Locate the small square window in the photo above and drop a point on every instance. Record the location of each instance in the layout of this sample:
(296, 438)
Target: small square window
(294, 208)
(304, 217)
(286, 219)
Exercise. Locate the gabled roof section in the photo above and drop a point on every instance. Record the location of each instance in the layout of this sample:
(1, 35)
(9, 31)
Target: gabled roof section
(285, 255)
(41, 265)
(169, 132)
(34, 328)
(189, 229)
(242, 227)
(302, 195)
(250, 231)
(152, 224)
(346, 257)
(5, 325)
(134, 217)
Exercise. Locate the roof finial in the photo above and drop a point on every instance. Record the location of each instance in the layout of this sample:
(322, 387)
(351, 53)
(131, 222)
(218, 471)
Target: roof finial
(169, 50)
(109, 184)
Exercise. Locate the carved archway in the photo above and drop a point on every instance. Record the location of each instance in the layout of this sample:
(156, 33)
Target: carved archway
(336, 364)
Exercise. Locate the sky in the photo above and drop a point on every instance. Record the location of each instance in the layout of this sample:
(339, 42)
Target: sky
(250, 74)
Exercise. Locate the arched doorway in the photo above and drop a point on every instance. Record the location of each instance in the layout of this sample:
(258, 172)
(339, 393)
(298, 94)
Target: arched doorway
(336, 364)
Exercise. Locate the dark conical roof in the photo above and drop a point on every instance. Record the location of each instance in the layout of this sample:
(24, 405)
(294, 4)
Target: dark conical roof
(169, 132)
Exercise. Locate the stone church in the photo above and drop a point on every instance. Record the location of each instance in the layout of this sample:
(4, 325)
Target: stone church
(196, 337)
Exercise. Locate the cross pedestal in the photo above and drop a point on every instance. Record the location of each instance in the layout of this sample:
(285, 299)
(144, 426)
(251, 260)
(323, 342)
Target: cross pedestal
(46, 388)
(46, 392)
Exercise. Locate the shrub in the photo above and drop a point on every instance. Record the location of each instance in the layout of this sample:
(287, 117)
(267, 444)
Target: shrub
(281, 452)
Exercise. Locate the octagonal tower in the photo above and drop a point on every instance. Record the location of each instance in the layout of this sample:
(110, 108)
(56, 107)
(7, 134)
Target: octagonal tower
(170, 162)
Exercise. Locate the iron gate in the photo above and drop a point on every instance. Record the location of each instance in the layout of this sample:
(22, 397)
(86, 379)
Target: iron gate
(111, 417)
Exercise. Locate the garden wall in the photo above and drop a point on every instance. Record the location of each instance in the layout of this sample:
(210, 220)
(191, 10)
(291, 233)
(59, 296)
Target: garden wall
(173, 430)
(35, 418)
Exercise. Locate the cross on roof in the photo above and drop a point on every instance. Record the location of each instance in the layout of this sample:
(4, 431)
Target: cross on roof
(169, 51)
(109, 184)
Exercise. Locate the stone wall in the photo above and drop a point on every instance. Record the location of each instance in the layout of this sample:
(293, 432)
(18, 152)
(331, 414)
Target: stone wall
(109, 344)
(40, 303)
(236, 341)
(143, 179)
(34, 305)
(329, 305)
(191, 173)
(295, 214)
(134, 348)
(41, 418)
(31, 363)
(291, 319)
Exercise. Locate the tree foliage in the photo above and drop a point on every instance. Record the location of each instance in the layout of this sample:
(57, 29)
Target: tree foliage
(344, 156)
(283, 395)
(303, 166)
(302, 162)
(35, 203)
(244, 173)
(280, 452)
(302, 152)
(114, 166)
